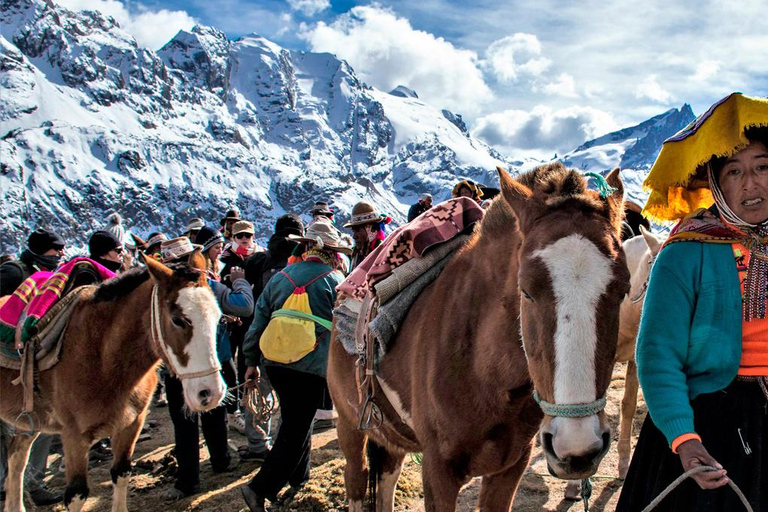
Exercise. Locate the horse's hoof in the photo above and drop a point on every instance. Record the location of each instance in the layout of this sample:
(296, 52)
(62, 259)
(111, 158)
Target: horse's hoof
(254, 501)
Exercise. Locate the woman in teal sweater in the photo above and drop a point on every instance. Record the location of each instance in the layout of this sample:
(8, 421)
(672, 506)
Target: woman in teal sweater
(702, 348)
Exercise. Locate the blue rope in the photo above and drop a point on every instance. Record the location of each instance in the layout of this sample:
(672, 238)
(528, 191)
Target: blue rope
(602, 186)
(570, 410)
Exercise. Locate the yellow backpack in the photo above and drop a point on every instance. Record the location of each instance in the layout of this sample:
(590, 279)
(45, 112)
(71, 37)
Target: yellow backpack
(290, 334)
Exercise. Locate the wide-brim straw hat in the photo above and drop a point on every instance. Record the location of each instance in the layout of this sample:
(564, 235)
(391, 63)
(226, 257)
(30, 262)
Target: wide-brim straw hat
(324, 236)
(678, 183)
(242, 226)
(177, 248)
(364, 213)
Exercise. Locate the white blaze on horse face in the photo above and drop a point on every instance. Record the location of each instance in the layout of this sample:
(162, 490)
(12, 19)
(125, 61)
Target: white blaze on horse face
(199, 306)
(580, 275)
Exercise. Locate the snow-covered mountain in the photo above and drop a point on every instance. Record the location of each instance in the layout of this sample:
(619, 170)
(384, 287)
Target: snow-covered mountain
(634, 149)
(91, 123)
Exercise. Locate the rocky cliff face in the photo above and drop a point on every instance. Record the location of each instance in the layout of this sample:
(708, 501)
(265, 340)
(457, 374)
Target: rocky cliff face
(90, 123)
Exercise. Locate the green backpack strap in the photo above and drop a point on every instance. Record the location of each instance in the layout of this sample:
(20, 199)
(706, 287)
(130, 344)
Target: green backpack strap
(303, 316)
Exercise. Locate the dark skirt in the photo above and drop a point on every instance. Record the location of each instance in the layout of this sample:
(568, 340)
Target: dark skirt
(717, 419)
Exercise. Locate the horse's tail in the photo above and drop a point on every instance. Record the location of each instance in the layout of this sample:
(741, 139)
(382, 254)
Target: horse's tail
(376, 456)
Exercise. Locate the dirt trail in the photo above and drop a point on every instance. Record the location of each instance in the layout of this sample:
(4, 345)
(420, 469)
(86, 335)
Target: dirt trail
(325, 491)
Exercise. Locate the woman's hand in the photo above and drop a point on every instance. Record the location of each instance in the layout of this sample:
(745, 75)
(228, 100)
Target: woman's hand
(693, 454)
(237, 273)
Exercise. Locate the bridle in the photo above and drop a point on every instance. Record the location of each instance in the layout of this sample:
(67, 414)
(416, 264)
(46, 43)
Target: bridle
(158, 339)
(570, 410)
(641, 294)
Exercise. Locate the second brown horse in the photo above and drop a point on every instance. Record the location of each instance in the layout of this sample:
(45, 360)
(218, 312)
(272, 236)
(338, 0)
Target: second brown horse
(529, 307)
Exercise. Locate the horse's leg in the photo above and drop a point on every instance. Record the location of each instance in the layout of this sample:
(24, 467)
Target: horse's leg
(389, 472)
(352, 444)
(498, 491)
(18, 454)
(628, 408)
(441, 485)
(76, 448)
(123, 444)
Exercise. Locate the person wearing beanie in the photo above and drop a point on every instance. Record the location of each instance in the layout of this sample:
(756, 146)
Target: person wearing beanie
(212, 244)
(106, 250)
(44, 251)
(115, 227)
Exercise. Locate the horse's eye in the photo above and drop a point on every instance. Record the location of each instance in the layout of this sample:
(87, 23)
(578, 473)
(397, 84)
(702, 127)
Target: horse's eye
(526, 295)
(179, 322)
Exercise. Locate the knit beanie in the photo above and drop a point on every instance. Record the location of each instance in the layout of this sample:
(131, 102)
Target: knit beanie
(42, 240)
(101, 242)
(289, 224)
(115, 226)
(208, 237)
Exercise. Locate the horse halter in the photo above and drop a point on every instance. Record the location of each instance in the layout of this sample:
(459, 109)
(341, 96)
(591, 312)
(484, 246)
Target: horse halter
(641, 294)
(570, 410)
(157, 338)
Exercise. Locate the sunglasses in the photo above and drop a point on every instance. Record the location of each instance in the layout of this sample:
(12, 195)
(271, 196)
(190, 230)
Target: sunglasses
(244, 235)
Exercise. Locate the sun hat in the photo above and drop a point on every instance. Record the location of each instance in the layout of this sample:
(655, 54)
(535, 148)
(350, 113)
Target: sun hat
(474, 189)
(242, 226)
(233, 214)
(364, 213)
(176, 248)
(194, 224)
(678, 182)
(155, 239)
(325, 236)
(321, 208)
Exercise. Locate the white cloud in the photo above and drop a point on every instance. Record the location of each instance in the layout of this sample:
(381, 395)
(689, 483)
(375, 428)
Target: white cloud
(387, 51)
(152, 29)
(706, 69)
(543, 129)
(651, 89)
(564, 86)
(511, 56)
(309, 7)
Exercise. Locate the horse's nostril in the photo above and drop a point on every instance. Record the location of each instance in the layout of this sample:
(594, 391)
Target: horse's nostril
(547, 443)
(204, 394)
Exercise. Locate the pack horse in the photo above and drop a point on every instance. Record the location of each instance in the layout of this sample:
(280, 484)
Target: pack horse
(517, 335)
(103, 382)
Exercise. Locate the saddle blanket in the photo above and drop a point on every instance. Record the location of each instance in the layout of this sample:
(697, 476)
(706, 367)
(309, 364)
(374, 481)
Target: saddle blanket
(437, 225)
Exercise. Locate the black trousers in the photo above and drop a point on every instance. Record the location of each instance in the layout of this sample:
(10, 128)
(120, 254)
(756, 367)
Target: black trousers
(288, 462)
(187, 437)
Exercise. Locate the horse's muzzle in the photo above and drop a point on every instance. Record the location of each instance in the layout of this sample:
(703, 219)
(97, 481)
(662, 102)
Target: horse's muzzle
(575, 447)
(204, 393)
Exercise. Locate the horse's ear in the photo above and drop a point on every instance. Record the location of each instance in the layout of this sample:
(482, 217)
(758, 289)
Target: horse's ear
(196, 260)
(616, 199)
(517, 195)
(157, 270)
(654, 244)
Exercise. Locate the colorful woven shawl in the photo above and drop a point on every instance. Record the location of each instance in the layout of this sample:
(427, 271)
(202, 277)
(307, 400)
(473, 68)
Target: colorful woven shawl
(706, 226)
(37, 295)
(439, 224)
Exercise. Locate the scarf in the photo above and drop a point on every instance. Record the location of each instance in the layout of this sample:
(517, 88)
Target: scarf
(710, 226)
(41, 262)
(321, 256)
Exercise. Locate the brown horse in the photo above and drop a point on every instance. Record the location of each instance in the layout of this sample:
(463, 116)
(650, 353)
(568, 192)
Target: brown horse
(102, 385)
(526, 311)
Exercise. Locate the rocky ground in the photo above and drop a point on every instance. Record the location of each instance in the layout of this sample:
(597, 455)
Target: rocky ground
(154, 467)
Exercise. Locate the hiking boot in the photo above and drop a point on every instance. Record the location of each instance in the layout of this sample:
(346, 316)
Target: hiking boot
(236, 422)
(99, 453)
(42, 497)
(254, 501)
(248, 454)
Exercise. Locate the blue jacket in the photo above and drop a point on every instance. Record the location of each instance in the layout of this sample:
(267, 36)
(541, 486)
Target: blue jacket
(322, 295)
(236, 302)
(689, 341)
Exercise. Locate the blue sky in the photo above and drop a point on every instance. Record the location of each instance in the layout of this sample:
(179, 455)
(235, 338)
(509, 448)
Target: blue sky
(529, 76)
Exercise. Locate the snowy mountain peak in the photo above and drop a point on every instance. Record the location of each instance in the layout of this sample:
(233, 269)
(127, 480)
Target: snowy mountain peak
(404, 92)
(90, 124)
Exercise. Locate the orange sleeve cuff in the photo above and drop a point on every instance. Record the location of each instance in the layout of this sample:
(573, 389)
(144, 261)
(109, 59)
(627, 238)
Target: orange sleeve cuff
(683, 438)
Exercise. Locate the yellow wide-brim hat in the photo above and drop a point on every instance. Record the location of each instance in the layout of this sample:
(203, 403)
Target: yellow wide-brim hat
(678, 180)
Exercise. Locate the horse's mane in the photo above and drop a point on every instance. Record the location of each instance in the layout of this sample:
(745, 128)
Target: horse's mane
(128, 282)
(552, 184)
